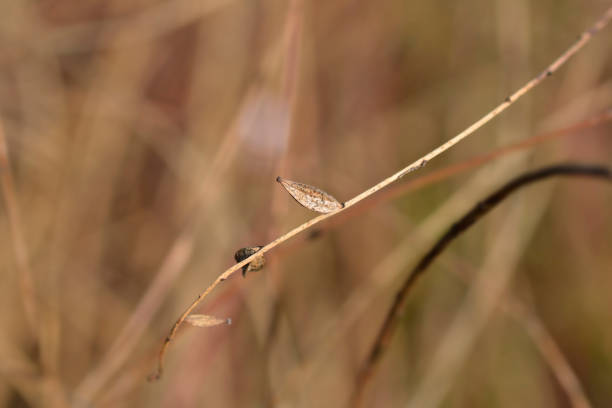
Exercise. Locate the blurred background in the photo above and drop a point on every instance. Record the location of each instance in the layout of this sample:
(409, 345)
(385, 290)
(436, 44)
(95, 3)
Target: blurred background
(140, 141)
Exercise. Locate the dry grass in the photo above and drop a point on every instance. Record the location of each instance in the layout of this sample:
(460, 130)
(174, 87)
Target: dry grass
(143, 139)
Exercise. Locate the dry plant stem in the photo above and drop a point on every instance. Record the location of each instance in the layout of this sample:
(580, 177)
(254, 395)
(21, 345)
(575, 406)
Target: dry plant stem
(398, 190)
(28, 294)
(428, 179)
(477, 212)
(582, 40)
(551, 352)
(480, 160)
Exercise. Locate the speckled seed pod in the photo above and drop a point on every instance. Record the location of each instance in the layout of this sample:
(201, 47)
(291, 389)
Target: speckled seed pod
(310, 197)
(256, 264)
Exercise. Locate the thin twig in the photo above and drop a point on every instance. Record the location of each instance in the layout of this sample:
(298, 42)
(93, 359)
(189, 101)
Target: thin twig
(388, 194)
(477, 212)
(582, 40)
(397, 190)
(357, 303)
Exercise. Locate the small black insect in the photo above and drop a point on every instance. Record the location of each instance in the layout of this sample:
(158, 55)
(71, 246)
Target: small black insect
(256, 264)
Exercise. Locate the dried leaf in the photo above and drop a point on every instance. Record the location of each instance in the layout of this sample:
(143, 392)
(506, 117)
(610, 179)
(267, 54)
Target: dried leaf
(311, 197)
(206, 320)
(256, 264)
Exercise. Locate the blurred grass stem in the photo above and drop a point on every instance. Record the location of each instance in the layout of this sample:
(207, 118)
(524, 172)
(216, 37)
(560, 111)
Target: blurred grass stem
(28, 293)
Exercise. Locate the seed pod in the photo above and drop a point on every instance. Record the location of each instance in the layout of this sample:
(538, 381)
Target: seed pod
(310, 197)
(201, 320)
(256, 264)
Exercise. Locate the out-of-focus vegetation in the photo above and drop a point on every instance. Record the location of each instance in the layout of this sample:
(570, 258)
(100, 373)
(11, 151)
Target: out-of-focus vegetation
(143, 140)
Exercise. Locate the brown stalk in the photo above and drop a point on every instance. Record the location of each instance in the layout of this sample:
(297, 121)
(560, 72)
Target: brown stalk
(582, 40)
(464, 223)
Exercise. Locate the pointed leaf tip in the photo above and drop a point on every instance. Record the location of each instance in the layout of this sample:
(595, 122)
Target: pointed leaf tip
(310, 197)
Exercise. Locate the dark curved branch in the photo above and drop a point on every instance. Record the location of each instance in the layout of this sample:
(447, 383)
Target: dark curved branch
(466, 221)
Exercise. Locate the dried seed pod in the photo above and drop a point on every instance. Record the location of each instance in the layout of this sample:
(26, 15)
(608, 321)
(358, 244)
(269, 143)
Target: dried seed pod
(311, 197)
(201, 320)
(256, 264)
